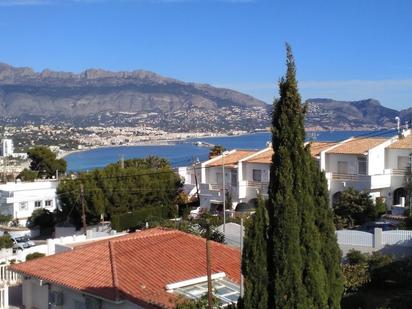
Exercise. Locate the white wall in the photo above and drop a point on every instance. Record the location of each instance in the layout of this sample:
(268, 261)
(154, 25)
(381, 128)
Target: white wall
(18, 199)
(34, 295)
(333, 159)
(249, 167)
(393, 154)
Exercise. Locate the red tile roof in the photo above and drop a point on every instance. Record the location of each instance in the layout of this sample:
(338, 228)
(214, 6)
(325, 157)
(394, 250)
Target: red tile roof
(231, 159)
(135, 267)
(357, 145)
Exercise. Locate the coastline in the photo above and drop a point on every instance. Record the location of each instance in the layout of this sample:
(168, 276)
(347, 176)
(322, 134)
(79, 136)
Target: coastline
(173, 140)
(157, 142)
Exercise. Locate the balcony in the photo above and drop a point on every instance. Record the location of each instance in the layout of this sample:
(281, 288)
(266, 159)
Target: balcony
(257, 185)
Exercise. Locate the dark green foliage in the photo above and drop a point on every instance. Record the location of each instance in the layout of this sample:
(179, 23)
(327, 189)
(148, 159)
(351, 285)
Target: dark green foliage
(43, 219)
(27, 175)
(354, 257)
(356, 277)
(45, 162)
(380, 207)
(297, 256)
(5, 241)
(34, 255)
(330, 251)
(207, 228)
(142, 183)
(5, 219)
(353, 208)
(138, 218)
(254, 261)
(408, 186)
(217, 150)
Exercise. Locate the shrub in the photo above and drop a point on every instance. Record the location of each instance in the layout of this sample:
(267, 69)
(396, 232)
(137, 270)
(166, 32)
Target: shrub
(34, 255)
(5, 219)
(355, 276)
(6, 242)
(355, 257)
(138, 218)
(43, 219)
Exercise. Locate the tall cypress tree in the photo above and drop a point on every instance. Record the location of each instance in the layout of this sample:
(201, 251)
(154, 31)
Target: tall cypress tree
(254, 264)
(330, 252)
(296, 269)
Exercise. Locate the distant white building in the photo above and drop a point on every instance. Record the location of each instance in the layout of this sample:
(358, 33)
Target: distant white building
(20, 199)
(7, 147)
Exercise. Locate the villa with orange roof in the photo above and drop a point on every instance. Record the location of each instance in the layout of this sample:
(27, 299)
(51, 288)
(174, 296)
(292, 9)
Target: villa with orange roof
(154, 268)
(373, 164)
(376, 165)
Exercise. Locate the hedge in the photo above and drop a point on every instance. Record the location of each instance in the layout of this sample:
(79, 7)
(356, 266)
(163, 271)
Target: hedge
(137, 218)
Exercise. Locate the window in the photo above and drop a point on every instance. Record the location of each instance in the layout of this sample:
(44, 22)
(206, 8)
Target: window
(219, 178)
(362, 166)
(257, 175)
(48, 203)
(23, 206)
(342, 167)
(233, 179)
(403, 162)
(37, 204)
(225, 291)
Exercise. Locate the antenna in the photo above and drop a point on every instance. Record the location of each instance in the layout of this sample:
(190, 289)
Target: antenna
(398, 123)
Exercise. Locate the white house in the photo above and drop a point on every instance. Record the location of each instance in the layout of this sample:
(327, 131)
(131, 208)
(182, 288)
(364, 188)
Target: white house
(20, 199)
(377, 165)
(149, 269)
(372, 164)
(247, 174)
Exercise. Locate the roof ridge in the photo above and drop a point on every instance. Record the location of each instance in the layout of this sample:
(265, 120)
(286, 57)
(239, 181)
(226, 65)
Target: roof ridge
(138, 235)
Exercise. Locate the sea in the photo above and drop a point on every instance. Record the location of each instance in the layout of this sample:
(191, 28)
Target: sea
(183, 153)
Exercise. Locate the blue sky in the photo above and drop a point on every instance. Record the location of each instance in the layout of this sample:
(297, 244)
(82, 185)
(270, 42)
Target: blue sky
(344, 49)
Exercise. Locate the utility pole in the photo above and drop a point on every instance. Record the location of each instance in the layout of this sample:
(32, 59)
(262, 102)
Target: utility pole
(197, 186)
(209, 273)
(83, 208)
(241, 256)
(224, 193)
(122, 162)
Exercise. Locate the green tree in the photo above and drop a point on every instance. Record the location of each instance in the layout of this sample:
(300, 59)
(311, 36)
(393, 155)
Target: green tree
(353, 207)
(408, 185)
(296, 256)
(43, 219)
(254, 261)
(27, 175)
(217, 150)
(45, 162)
(142, 183)
(330, 251)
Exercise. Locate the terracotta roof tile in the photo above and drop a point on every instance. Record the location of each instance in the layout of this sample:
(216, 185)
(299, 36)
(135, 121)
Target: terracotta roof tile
(317, 147)
(138, 265)
(232, 159)
(265, 157)
(402, 143)
(357, 146)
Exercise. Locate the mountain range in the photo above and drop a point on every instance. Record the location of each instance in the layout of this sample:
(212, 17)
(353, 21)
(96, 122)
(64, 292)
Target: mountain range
(100, 97)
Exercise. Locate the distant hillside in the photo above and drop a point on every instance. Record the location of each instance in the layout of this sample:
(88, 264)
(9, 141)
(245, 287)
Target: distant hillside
(350, 115)
(103, 98)
(63, 94)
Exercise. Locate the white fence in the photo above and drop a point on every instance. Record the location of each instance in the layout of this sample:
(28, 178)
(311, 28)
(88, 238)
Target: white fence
(354, 238)
(397, 239)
